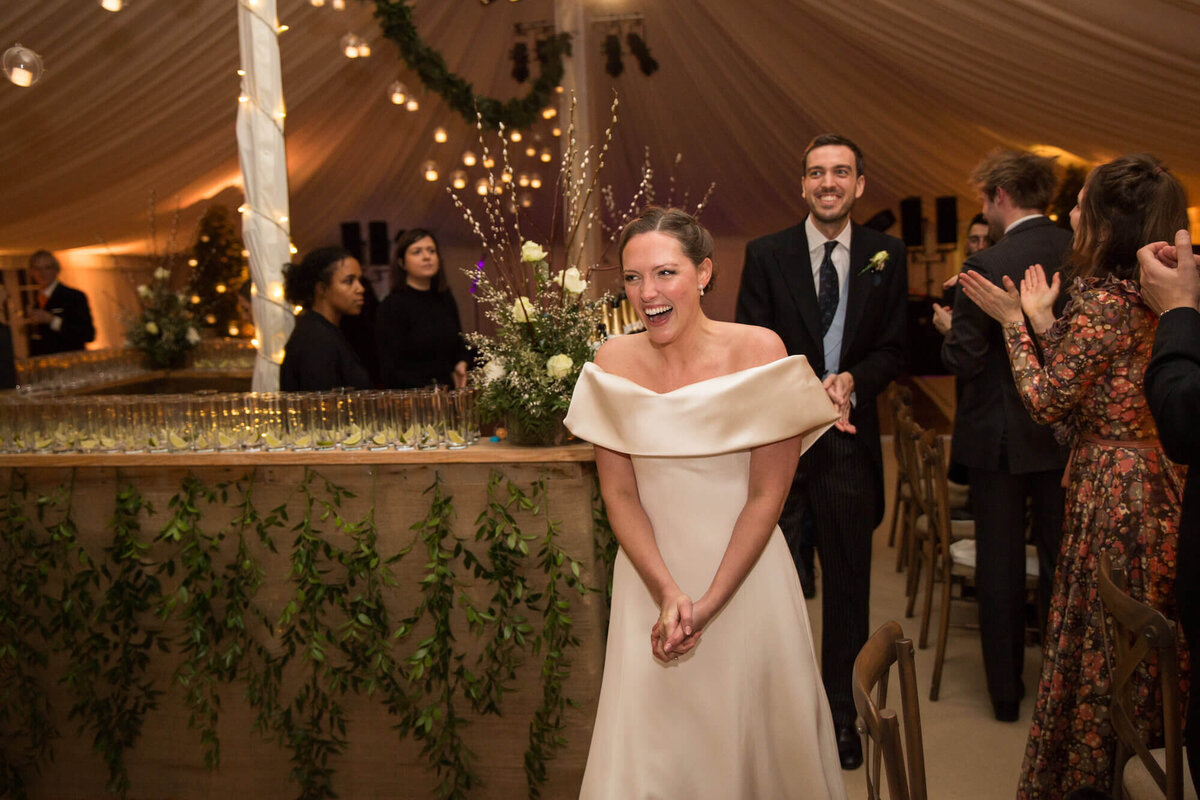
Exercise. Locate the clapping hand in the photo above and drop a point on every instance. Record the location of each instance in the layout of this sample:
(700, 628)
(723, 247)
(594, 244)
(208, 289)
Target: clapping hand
(943, 318)
(1168, 274)
(676, 632)
(1038, 296)
(1002, 305)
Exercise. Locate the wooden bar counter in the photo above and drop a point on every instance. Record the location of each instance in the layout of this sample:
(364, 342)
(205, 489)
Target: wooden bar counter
(393, 495)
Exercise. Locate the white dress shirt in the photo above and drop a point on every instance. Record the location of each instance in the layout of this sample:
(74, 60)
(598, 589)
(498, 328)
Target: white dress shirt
(841, 264)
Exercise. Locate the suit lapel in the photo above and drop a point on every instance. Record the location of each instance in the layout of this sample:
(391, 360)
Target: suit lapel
(796, 266)
(860, 284)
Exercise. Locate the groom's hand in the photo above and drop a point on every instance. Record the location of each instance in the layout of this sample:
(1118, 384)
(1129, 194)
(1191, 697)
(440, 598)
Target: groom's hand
(839, 387)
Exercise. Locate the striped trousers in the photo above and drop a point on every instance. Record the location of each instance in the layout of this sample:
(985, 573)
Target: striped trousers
(837, 483)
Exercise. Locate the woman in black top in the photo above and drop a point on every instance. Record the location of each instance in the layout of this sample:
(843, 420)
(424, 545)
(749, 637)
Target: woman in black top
(328, 285)
(417, 329)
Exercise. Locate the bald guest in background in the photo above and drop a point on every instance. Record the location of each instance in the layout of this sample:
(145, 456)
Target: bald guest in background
(61, 319)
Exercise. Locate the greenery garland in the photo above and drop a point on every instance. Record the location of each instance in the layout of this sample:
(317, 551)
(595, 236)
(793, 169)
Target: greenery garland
(109, 615)
(396, 21)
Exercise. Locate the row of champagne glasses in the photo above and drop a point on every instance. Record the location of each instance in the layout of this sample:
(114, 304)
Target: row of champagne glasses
(419, 419)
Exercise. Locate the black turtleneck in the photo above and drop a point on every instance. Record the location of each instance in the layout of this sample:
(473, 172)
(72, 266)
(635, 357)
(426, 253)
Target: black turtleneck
(318, 358)
(419, 338)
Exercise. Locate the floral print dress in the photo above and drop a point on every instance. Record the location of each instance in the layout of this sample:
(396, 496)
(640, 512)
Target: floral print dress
(1121, 499)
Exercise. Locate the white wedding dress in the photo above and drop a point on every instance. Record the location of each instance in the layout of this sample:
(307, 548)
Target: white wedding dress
(744, 715)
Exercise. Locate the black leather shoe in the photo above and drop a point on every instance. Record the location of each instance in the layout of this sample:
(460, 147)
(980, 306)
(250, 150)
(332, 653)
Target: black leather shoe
(849, 747)
(1007, 710)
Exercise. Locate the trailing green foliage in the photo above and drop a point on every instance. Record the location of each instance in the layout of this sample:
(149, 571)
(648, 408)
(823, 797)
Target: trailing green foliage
(396, 21)
(192, 589)
(25, 722)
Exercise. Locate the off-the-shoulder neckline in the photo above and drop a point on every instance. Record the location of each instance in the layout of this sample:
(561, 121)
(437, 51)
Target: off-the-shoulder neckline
(686, 386)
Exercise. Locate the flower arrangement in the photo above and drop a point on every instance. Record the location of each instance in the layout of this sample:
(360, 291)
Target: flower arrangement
(876, 263)
(164, 330)
(546, 327)
(542, 340)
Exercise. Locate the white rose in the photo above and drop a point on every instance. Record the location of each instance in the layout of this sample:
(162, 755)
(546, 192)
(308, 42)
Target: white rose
(152, 329)
(532, 252)
(143, 291)
(523, 309)
(193, 336)
(559, 366)
(162, 273)
(571, 280)
(493, 370)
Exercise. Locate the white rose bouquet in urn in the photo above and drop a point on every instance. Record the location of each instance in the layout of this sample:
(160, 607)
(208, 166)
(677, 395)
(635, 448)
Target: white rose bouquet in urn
(546, 325)
(164, 330)
(544, 335)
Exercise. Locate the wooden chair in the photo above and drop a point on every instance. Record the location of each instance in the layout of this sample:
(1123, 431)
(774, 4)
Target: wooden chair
(1136, 633)
(899, 399)
(908, 432)
(903, 761)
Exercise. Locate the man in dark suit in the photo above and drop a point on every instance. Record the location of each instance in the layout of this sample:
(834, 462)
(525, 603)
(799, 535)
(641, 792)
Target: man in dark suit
(1011, 461)
(1171, 287)
(835, 292)
(61, 320)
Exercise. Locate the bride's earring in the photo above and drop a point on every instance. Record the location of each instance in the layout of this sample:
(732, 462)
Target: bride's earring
(702, 290)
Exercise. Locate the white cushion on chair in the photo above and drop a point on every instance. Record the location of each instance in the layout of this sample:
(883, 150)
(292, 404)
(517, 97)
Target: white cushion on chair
(959, 494)
(1139, 784)
(962, 552)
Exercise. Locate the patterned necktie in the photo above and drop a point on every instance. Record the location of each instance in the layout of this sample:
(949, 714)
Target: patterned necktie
(827, 293)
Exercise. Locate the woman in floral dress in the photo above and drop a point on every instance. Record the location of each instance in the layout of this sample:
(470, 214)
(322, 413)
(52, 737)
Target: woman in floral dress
(1123, 495)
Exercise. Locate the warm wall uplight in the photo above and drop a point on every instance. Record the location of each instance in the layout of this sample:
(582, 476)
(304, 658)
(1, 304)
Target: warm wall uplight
(112, 5)
(193, 262)
(1064, 157)
(489, 162)
(430, 171)
(398, 92)
(515, 136)
(458, 179)
(439, 136)
(556, 131)
(535, 181)
(221, 288)
(468, 158)
(549, 112)
(412, 104)
(481, 186)
(546, 155)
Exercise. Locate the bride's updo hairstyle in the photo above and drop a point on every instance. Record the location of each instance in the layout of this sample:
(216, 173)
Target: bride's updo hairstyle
(1126, 203)
(694, 239)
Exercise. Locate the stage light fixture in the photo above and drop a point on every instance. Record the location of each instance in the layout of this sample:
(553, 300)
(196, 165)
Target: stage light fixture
(520, 62)
(612, 55)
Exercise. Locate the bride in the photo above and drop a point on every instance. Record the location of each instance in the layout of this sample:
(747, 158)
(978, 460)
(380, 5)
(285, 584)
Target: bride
(698, 426)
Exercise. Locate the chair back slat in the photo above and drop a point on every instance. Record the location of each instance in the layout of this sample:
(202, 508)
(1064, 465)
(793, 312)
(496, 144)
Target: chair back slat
(900, 753)
(1136, 634)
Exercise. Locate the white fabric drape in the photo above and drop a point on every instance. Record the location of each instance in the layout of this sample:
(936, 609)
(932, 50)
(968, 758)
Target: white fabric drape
(144, 100)
(264, 175)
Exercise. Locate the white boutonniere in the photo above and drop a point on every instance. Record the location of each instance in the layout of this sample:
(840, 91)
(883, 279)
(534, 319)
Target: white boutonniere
(876, 263)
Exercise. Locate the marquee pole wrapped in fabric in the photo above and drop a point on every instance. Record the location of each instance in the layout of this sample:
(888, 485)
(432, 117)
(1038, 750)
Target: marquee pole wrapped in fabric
(265, 227)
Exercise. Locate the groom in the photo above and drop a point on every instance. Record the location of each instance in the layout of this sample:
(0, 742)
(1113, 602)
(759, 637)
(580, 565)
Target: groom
(836, 293)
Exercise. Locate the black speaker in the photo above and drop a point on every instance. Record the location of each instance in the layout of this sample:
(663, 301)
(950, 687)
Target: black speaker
(910, 222)
(352, 239)
(947, 220)
(381, 246)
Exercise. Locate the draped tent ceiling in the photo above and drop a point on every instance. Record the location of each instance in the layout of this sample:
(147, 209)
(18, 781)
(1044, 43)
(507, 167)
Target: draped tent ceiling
(142, 103)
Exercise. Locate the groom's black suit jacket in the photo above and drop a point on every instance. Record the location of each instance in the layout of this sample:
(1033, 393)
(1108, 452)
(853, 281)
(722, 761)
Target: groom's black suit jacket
(778, 292)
